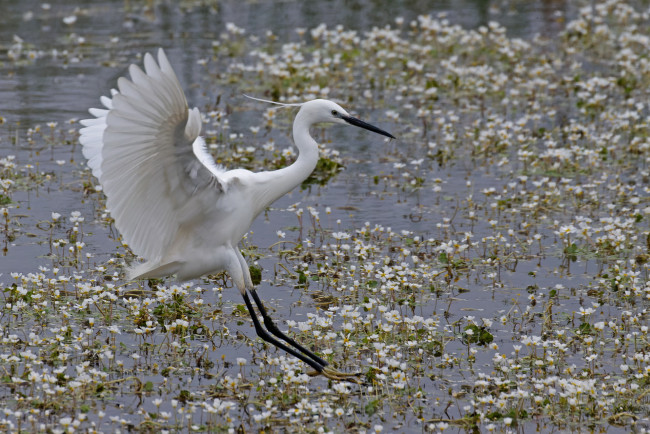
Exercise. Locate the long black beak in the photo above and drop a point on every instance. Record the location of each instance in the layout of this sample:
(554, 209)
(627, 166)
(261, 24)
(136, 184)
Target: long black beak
(359, 123)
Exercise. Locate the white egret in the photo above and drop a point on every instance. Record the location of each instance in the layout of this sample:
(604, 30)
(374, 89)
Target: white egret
(172, 203)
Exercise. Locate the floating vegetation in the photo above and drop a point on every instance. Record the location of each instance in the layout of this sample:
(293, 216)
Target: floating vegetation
(486, 272)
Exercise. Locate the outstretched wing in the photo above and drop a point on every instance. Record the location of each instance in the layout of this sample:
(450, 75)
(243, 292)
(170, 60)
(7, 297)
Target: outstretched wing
(145, 149)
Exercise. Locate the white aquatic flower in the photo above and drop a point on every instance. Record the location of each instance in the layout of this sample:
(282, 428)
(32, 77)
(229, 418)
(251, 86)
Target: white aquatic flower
(71, 19)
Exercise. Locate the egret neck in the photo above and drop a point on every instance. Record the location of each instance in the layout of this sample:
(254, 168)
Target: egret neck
(277, 183)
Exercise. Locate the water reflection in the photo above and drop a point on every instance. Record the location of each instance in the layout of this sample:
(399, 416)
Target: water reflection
(57, 87)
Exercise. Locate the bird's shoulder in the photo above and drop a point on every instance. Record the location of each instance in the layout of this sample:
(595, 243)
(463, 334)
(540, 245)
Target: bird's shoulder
(237, 178)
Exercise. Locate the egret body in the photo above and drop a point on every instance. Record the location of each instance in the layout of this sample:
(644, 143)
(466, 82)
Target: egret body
(173, 204)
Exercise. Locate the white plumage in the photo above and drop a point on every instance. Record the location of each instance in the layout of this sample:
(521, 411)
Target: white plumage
(173, 205)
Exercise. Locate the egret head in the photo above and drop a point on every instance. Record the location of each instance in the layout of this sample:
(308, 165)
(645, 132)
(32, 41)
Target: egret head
(322, 110)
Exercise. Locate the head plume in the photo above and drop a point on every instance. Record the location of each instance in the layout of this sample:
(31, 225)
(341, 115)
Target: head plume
(274, 102)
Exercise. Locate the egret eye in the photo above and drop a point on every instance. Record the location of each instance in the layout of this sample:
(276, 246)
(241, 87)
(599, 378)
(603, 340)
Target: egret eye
(335, 113)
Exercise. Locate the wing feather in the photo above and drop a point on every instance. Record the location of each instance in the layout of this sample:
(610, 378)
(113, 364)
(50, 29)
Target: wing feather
(143, 149)
(201, 152)
(193, 127)
(106, 102)
(98, 113)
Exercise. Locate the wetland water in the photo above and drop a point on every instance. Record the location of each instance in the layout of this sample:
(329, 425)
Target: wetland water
(487, 270)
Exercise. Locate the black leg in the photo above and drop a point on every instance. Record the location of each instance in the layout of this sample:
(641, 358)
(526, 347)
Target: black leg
(270, 326)
(261, 332)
